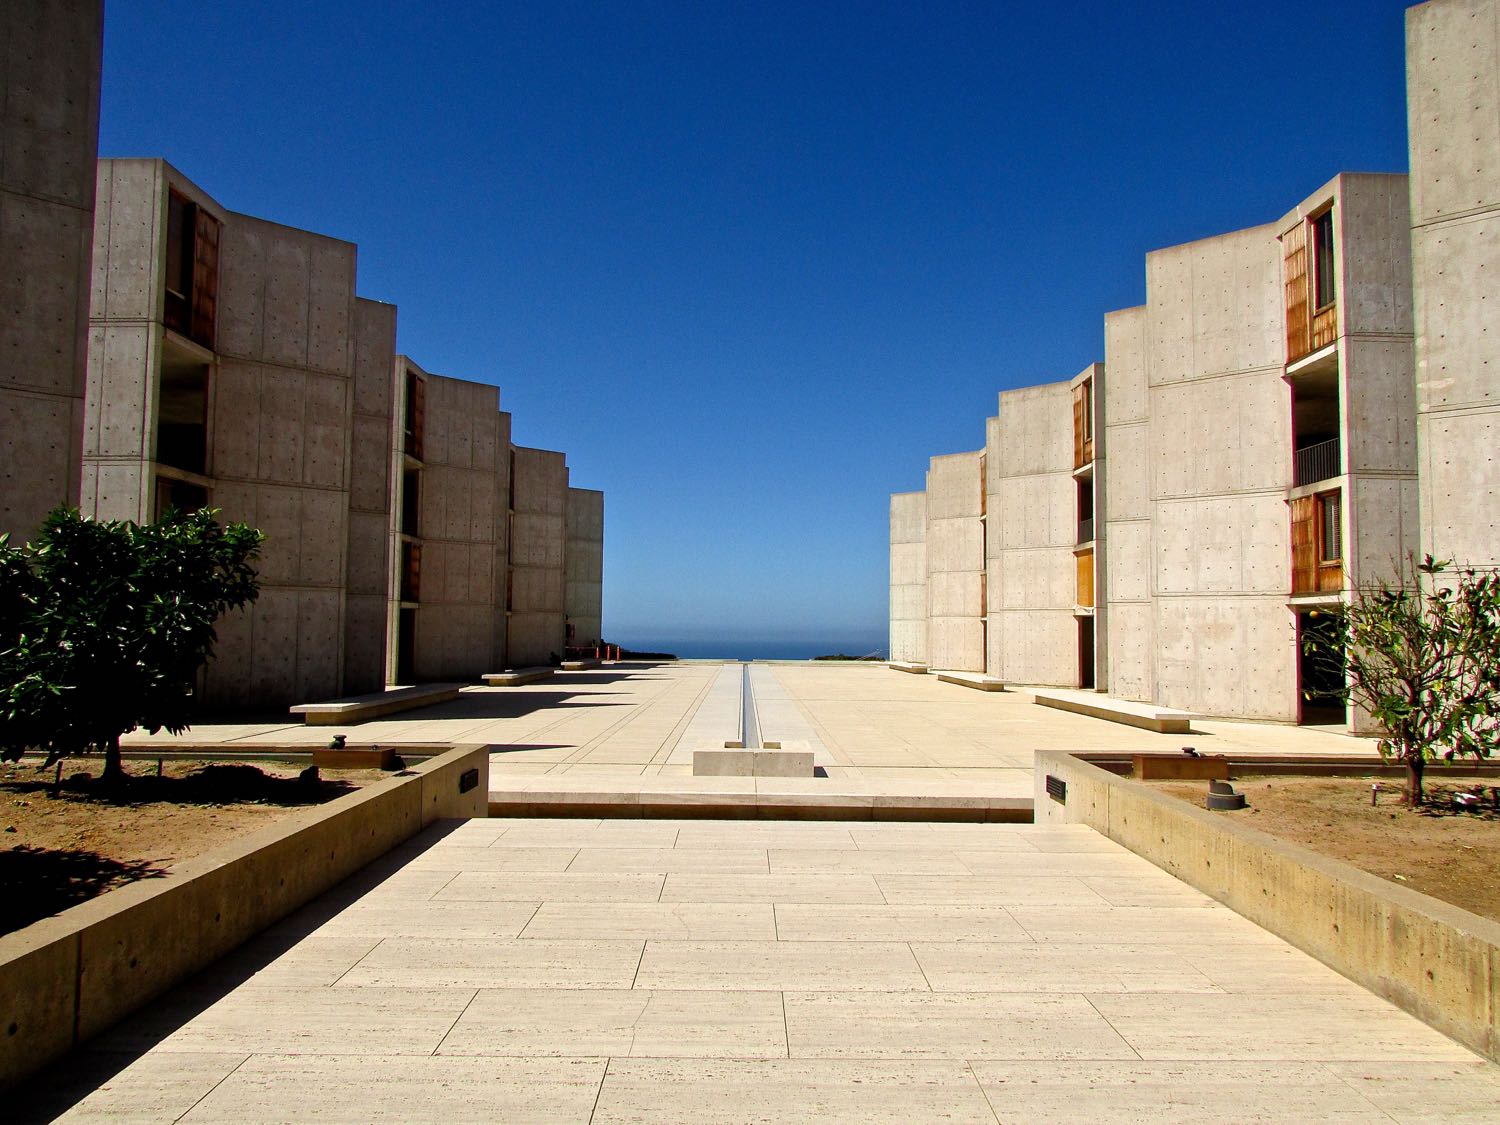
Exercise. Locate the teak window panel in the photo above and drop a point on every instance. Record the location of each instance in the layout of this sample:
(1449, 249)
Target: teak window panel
(1083, 424)
(1085, 563)
(1317, 544)
(1294, 269)
(1308, 271)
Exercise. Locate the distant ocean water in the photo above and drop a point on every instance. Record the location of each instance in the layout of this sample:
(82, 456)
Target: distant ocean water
(752, 649)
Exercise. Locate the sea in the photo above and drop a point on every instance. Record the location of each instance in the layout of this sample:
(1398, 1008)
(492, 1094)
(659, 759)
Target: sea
(746, 649)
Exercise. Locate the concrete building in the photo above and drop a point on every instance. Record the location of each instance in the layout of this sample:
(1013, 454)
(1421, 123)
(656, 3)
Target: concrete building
(1260, 423)
(536, 595)
(1453, 108)
(50, 54)
(1040, 544)
(909, 577)
(584, 578)
(232, 364)
(955, 562)
(450, 467)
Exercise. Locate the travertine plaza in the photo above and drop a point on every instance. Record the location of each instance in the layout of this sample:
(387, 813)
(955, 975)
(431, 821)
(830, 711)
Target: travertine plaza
(623, 939)
(1295, 408)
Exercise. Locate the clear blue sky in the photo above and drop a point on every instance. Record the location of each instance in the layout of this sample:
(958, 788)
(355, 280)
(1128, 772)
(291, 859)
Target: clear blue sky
(751, 264)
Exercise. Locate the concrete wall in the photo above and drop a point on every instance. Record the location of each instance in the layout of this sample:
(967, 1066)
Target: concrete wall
(909, 577)
(462, 509)
(298, 402)
(367, 565)
(538, 537)
(50, 54)
(1219, 466)
(1033, 522)
(65, 979)
(1126, 591)
(955, 562)
(1453, 106)
(584, 566)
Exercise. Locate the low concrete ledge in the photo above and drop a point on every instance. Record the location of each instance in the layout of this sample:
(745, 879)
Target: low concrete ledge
(975, 680)
(791, 760)
(67, 978)
(1147, 716)
(359, 708)
(516, 677)
(1438, 962)
(732, 804)
(908, 666)
(578, 665)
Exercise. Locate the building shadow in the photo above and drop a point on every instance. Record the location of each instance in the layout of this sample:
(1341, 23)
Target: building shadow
(64, 1083)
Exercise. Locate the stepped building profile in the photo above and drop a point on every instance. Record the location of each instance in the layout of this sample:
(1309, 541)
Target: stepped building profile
(1295, 408)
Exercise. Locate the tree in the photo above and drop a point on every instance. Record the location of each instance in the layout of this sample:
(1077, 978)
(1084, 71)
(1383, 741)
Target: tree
(105, 624)
(1422, 655)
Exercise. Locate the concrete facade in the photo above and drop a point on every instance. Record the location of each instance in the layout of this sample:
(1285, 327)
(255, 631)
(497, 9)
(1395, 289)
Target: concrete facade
(250, 379)
(1032, 531)
(955, 562)
(50, 53)
(231, 364)
(584, 578)
(909, 577)
(1453, 106)
(1260, 422)
(538, 545)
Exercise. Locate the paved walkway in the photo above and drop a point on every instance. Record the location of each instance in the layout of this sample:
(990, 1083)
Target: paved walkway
(774, 972)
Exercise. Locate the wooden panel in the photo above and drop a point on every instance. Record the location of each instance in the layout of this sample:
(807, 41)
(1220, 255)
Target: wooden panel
(1294, 272)
(205, 278)
(1079, 460)
(1305, 545)
(1325, 327)
(411, 577)
(418, 416)
(1086, 579)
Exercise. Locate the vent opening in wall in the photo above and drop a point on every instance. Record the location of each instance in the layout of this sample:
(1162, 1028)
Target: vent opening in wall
(1057, 789)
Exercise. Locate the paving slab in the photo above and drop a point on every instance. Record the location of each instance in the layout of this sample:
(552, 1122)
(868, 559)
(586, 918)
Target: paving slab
(794, 977)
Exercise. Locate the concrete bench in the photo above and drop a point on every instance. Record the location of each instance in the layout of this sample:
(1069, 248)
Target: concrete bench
(359, 708)
(579, 665)
(516, 677)
(976, 680)
(908, 666)
(1147, 716)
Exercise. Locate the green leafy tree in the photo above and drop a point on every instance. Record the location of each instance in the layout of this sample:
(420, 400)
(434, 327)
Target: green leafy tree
(1422, 656)
(105, 624)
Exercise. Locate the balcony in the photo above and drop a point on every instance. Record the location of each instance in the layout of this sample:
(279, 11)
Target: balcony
(1313, 463)
(1086, 530)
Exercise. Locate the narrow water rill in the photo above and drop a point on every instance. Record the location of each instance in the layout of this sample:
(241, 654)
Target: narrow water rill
(749, 721)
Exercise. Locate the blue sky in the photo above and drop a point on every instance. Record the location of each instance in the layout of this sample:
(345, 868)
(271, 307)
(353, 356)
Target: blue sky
(750, 265)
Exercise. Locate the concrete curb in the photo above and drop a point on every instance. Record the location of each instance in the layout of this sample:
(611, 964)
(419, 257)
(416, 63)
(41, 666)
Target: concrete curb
(66, 978)
(673, 804)
(1437, 961)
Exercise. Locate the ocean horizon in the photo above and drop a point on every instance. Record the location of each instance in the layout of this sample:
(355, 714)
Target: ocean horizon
(732, 649)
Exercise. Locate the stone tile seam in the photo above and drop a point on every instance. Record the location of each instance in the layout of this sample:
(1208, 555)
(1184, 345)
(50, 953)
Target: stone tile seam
(224, 1078)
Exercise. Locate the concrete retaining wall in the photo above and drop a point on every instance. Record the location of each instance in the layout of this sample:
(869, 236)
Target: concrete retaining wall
(1438, 962)
(67, 978)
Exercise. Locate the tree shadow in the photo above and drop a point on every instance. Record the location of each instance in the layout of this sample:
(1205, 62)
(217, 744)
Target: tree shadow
(36, 883)
(1439, 804)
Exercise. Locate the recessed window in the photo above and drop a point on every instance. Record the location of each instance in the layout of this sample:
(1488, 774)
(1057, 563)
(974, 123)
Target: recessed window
(1330, 528)
(1324, 293)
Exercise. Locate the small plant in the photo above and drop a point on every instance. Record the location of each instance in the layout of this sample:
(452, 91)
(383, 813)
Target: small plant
(1422, 656)
(105, 624)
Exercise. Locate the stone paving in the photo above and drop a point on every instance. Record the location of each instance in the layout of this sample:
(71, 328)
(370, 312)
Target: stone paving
(708, 971)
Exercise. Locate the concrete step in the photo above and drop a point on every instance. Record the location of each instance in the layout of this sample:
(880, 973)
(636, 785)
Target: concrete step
(908, 666)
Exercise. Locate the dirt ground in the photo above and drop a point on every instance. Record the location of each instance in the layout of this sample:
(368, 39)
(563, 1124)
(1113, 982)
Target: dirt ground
(1437, 849)
(62, 845)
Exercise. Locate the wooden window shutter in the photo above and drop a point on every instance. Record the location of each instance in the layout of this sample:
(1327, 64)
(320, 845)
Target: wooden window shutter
(205, 278)
(1078, 406)
(1298, 310)
(1304, 545)
(1086, 580)
(418, 415)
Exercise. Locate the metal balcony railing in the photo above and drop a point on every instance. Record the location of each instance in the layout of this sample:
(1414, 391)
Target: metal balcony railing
(1086, 530)
(1313, 463)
